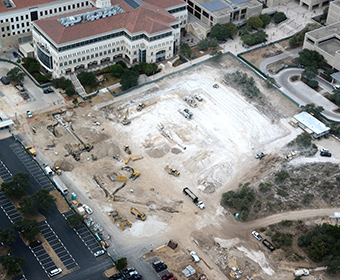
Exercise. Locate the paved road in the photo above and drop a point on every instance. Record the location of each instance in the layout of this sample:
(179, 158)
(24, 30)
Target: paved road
(87, 264)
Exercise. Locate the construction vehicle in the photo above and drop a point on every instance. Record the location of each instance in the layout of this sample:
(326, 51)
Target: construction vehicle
(194, 198)
(118, 179)
(134, 173)
(127, 149)
(104, 244)
(136, 158)
(60, 185)
(138, 214)
(172, 171)
(125, 120)
(186, 113)
(115, 216)
(85, 147)
(127, 159)
(124, 224)
(191, 101)
(141, 106)
(57, 170)
(31, 150)
(198, 97)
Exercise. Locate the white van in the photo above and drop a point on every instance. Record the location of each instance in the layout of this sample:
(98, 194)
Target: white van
(194, 256)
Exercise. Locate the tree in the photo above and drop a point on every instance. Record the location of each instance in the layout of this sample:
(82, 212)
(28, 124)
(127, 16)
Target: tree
(213, 43)
(70, 91)
(311, 58)
(129, 79)
(266, 19)
(185, 51)
(255, 22)
(313, 110)
(7, 236)
(117, 70)
(310, 73)
(31, 64)
(27, 205)
(28, 228)
(43, 199)
(75, 220)
(18, 186)
(220, 32)
(231, 29)
(336, 96)
(16, 75)
(279, 17)
(216, 55)
(270, 82)
(121, 263)
(12, 264)
(87, 78)
(203, 45)
(75, 101)
(294, 41)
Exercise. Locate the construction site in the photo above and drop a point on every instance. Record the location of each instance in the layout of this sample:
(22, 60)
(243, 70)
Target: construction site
(154, 162)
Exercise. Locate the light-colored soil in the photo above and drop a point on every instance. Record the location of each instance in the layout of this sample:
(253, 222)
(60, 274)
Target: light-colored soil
(221, 139)
(61, 204)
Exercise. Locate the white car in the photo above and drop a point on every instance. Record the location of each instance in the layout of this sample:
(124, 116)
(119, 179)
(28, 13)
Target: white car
(55, 272)
(257, 235)
(336, 86)
(194, 256)
(87, 209)
(29, 114)
(99, 253)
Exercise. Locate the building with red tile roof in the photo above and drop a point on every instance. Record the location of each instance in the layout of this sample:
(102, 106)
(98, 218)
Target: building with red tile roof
(132, 30)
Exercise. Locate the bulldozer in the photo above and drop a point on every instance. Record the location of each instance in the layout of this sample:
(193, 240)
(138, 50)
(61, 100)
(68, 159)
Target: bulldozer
(127, 149)
(141, 106)
(138, 214)
(134, 173)
(172, 171)
(125, 120)
(57, 170)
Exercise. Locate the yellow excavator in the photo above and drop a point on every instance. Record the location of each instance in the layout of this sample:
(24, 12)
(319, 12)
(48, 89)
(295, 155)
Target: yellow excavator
(141, 106)
(172, 171)
(125, 120)
(138, 214)
(85, 147)
(134, 173)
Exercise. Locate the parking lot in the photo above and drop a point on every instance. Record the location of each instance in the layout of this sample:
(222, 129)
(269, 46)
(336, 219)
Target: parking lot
(43, 258)
(32, 167)
(160, 273)
(85, 236)
(58, 246)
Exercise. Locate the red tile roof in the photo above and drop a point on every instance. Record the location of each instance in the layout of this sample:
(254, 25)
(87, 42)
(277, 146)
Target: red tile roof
(148, 18)
(20, 4)
(164, 3)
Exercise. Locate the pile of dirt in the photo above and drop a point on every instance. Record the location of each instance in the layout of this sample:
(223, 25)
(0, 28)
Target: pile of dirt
(65, 165)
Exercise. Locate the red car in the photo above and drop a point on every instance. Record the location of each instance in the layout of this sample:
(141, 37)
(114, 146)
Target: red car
(167, 276)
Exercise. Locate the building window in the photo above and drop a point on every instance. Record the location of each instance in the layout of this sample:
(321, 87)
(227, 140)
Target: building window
(73, 6)
(7, 28)
(55, 10)
(65, 63)
(135, 52)
(118, 49)
(27, 23)
(88, 57)
(77, 5)
(64, 8)
(100, 53)
(105, 52)
(70, 62)
(23, 24)
(26, 16)
(96, 54)
(22, 17)
(18, 26)
(17, 19)
(59, 9)
(61, 64)
(83, 58)
(74, 61)
(11, 19)
(92, 56)
(109, 51)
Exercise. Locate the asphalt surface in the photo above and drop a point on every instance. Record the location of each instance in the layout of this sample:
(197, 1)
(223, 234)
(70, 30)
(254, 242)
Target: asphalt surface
(79, 259)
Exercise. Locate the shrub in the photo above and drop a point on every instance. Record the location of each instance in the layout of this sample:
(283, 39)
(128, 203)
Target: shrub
(265, 187)
(279, 17)
(87, 78)
(313, 84)
(281, 176)
(40, 78)
(282, 239)
(307, 198)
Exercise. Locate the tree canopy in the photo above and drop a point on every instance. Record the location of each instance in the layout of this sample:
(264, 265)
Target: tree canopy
(322, 245)
(28, 228)
(18, 186)
(75, 220)
(116, 70)
(87, 78)
(185, 51)
(255, 22)
(313, 110)
(7, 236)
(43, 199)
(121, 263)
(220, 32)
(311, 58)
(266, 19)
(64, 84)
(27, 205)
(12, 264)
(129, 79)
(216, 55)
(279, 17)
(256, 38)
(310, 73)
(16, 75)
(232, 29)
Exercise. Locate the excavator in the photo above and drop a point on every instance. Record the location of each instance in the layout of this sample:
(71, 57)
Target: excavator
(141, 106)
(125, 120)
(172, 171)
(138, 214)
(134, 173)
(127, 149)
(85, 147)
(57, 170)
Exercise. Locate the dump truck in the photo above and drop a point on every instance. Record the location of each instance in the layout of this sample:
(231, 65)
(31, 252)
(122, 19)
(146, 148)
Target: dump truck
(172, 171)
(194, 198)
(32, 151)
(118, 179)
(127, 159)
(138, 214)
(141, 106)
(60, 185)
(136, 158)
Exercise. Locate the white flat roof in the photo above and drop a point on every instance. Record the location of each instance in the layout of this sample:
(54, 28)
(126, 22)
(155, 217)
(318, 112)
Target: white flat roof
(6, 123)
(312, 123)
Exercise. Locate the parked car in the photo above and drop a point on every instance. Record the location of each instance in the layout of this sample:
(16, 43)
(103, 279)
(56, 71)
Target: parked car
(15, 54)
(336, 86)
(257, 235)
(55, 272)
(325, 153)
(35, 243)
(216, 86)
(99, 253)
(161, 267)
(194, 256)
(168, 276)
(156, 263)
(20, 88)
(29, 114)
(48, 90)
(4, 80)
(260, 155)
(87, 209)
